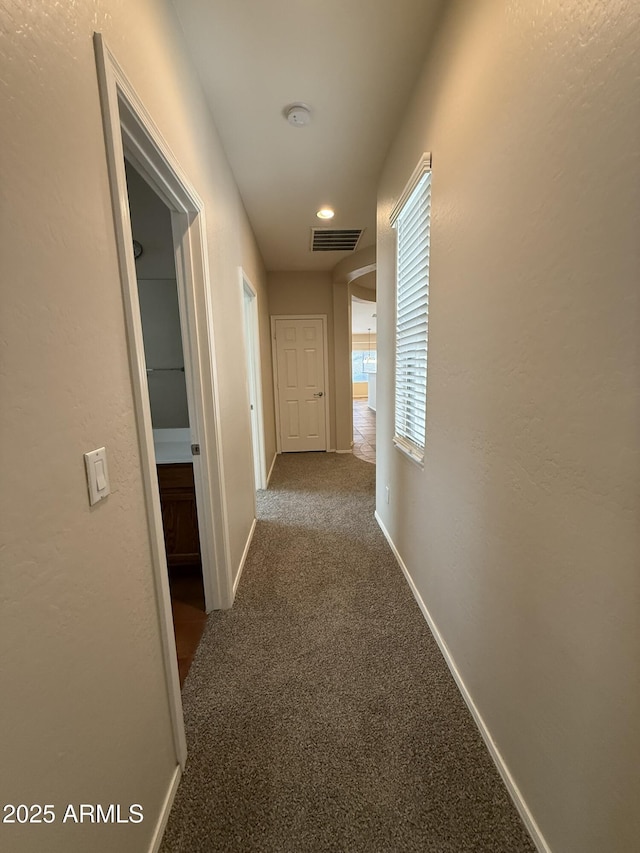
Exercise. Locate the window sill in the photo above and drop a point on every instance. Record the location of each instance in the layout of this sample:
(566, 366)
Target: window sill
(416, 456)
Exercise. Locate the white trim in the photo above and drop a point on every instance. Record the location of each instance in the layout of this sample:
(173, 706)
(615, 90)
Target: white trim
(344, 451)
(109, 90)
(146, 149)
(494, 752)
(274, 357)
(243, 559)
(254, 376)
(276, 390)
(424, 165)
(275, 456)
(192, 273)
(129, 128)
(165, 811)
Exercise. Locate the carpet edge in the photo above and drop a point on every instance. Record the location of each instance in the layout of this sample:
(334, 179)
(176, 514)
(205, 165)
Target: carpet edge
(243, 559)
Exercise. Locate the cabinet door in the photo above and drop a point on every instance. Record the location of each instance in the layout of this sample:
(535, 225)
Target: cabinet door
(179, 513)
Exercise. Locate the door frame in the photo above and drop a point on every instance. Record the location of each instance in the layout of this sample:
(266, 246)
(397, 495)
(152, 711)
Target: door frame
(254, 377)
(129, 130)
(274, 359)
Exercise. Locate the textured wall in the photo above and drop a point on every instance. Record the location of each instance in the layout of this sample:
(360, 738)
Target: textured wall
(84, 711)
(522, 530)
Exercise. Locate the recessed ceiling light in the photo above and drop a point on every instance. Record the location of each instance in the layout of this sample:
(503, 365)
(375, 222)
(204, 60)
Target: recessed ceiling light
(325, 213)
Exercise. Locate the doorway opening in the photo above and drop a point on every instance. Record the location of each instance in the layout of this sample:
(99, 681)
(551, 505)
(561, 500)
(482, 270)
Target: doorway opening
(363, 377)
(130, 133)
(169, 405)
(254, 381)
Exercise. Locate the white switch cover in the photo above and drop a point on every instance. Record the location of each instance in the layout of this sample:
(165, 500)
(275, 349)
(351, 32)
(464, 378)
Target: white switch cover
(97, 475)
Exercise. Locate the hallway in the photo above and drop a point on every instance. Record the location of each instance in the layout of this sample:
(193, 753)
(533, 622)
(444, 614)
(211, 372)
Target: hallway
(320, 713)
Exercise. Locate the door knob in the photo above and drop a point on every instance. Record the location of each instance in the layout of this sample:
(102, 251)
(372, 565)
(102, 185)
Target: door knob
(319, 394)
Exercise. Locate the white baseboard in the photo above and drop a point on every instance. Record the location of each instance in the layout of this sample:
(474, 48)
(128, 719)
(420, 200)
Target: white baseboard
(507, 778)
(275, 456)
(344, 451)
(161, 825)
(244, 557)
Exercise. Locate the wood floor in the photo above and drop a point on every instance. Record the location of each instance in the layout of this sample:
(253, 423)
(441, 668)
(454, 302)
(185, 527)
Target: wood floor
(189, 616)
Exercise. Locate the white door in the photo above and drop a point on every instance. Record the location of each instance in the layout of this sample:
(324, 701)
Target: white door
(301, 384)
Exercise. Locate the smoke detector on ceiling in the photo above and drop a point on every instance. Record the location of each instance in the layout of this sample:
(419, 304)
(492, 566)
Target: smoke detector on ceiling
(298, 115)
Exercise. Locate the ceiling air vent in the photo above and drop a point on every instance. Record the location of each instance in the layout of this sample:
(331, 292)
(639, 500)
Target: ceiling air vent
(335, 240)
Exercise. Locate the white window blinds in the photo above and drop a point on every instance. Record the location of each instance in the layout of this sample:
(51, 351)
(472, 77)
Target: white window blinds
(412, 221)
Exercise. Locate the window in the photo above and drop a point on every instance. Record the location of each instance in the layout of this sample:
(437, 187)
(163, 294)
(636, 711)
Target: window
(411, 218)
(362, 364)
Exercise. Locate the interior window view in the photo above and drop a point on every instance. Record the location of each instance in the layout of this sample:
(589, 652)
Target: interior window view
(364, 367)
(319, 389)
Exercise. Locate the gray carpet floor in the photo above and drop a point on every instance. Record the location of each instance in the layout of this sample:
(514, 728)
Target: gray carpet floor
(320, 713)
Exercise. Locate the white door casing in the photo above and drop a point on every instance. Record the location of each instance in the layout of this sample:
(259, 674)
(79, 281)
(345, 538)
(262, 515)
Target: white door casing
(130, 130)
(300, 369)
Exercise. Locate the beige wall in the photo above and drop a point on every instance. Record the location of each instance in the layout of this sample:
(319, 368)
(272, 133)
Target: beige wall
(308, 293)
(521, 532)
(84, 714)
(360, 390)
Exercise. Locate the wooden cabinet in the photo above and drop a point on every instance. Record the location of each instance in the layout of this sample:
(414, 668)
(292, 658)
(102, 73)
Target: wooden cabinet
(179, 513)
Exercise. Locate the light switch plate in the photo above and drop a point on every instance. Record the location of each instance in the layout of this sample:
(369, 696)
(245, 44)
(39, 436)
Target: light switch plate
(97, 475)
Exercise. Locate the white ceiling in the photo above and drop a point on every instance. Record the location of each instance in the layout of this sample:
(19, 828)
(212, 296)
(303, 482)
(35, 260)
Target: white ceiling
(353, 61)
